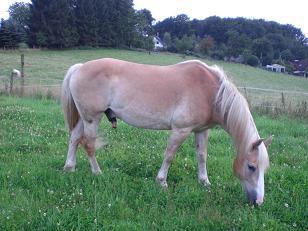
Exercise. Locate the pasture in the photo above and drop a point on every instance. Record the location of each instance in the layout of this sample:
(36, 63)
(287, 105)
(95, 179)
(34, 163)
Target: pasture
(35, 193)
(44, 71)
(53, 64)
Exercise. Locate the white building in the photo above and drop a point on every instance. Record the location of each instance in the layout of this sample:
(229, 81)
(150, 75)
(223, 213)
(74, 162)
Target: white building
(276, 68)
(158, 43)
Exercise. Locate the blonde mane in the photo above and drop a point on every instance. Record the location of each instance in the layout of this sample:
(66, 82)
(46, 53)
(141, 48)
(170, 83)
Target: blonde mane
(234, 110)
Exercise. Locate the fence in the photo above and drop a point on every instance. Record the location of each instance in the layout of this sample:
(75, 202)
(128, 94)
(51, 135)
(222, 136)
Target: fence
(269, 101)
(272, 101)
(30, 87)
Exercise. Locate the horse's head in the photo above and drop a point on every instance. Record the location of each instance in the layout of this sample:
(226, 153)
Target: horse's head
(250, 168)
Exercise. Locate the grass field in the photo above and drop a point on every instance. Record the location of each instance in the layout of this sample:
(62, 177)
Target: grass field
(54, 64)
(35, 194)
(44, 71)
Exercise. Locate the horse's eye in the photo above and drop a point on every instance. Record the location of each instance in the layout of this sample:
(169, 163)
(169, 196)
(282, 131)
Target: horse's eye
(251, 168)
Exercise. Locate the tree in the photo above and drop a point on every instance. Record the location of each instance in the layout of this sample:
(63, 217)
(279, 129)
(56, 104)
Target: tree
(237, 43)
(277, 41)
(143, 36)
(8, 35)
(263, 49)
(206, 44)
(286, 55)
(167, 40)
(87, 22)
(19, 17)
(55, 21)
(185, 44)
(177, 26)
(145, 18)
(122, 19)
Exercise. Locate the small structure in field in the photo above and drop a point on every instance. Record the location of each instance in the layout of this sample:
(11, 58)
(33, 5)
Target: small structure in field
(276, 68)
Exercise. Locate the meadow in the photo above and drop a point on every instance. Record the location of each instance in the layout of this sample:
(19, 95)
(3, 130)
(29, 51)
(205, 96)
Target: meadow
(35, 193)
(53, 64)
(44, 71)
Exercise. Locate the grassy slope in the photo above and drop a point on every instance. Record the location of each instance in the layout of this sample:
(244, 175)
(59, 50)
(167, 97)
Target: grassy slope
(36, 194)
(54, 64)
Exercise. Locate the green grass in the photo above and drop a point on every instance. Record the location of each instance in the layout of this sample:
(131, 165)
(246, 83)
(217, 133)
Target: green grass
(36, 194)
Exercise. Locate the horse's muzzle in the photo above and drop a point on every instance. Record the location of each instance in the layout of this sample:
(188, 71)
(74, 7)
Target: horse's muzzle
(252, 196)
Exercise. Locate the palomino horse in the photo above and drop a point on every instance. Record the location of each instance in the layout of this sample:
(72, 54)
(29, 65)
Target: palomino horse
(184, 98)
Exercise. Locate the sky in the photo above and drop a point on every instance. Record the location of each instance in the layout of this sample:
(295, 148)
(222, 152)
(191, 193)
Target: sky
(285, 12)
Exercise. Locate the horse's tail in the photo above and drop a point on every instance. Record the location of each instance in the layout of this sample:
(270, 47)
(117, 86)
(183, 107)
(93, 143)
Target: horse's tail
(71, 113)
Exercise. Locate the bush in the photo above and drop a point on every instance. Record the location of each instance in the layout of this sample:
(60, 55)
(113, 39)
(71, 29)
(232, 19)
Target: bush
(252, 60)
(23, 46)
(185, 44)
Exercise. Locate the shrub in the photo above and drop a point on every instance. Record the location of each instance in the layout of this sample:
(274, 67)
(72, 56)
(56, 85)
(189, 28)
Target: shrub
(252, 60)
(23, 46)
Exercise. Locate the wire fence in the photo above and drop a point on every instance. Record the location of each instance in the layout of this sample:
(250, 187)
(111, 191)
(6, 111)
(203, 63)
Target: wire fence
(268, 101)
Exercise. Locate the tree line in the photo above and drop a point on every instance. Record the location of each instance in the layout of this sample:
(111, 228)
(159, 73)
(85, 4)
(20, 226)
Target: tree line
(251, 40)
(115, 23)
(70, 23)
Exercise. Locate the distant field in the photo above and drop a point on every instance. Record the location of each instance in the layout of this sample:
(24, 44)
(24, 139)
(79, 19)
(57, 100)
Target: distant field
(54, 64)
(35, 194)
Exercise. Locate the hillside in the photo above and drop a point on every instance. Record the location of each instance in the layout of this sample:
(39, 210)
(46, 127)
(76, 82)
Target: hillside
(54, 64)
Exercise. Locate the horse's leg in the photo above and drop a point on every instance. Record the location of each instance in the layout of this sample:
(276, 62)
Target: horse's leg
(175, 140)
(75, 137)
(90, 131)
(201, 148)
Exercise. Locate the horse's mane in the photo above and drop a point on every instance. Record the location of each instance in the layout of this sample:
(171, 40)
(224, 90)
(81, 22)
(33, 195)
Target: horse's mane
(233, 108)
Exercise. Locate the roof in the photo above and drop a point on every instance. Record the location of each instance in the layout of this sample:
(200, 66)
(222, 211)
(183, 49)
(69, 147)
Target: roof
(275, 66)
(278, 66)
(158, 39)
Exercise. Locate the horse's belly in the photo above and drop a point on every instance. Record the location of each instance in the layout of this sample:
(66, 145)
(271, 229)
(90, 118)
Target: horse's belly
(144, 119)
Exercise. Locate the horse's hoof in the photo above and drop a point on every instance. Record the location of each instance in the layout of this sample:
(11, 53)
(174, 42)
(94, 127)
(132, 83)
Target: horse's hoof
(68, 168)
(97, 172)
(162, 183)
(204, 182)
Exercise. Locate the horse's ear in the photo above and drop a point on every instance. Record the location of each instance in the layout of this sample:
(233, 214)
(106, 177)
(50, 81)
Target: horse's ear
(268, 141)
(256, 144)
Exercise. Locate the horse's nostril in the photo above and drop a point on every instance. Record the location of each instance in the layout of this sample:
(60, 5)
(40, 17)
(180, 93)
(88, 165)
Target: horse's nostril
(252, 197)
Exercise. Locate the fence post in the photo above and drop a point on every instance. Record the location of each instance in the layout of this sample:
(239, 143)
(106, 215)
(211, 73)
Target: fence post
(11, 84)
(22, 60)
(283, 101)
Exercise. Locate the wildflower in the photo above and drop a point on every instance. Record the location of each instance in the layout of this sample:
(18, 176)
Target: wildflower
(286, 205)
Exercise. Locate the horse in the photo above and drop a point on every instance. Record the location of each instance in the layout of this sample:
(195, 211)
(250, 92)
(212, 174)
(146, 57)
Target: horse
(188, 97)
